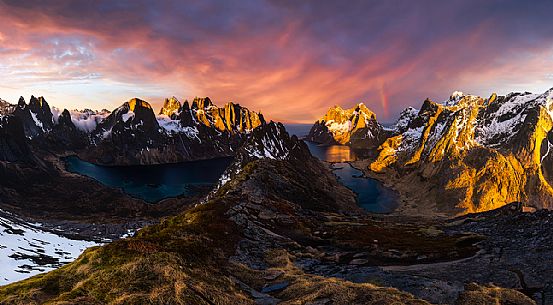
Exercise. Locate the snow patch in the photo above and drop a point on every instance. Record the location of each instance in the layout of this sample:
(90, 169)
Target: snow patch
(454, 99)
(506, 119)
(22, 244)
(336, 127)
(127, 116)
(174, 127)
(38, 123)
(405, 118)
(411, 139)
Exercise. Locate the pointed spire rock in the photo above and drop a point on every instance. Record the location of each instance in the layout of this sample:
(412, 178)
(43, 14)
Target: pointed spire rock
(65, 119)
(21, 103)
(170, 106)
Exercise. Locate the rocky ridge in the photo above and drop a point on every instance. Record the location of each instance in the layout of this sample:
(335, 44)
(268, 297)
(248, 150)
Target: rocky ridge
(133, 134)
(476, 154)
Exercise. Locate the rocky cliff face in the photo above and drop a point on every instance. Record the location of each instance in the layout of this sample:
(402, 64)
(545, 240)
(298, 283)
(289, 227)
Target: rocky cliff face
(231, 118)
(13, 144)
(473, 154)
(170, 106)
(356, 127)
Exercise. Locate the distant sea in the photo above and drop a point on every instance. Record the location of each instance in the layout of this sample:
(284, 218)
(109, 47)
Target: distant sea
(300, 130)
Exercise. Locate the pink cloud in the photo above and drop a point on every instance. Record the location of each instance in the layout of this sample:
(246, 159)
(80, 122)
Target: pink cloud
(290, 62)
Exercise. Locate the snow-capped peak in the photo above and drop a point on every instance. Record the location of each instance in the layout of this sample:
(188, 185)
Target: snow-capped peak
(405, 117)
(457, 94)
(454, 98)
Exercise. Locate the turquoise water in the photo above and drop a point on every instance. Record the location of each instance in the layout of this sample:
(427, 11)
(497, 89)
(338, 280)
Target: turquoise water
(154, 182)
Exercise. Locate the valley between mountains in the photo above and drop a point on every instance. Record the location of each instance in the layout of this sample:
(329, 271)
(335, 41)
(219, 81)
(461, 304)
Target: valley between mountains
(472, 223)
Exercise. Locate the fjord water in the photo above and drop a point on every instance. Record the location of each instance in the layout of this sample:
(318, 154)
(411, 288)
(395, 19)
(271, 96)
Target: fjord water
(154, 182)
(371, 194)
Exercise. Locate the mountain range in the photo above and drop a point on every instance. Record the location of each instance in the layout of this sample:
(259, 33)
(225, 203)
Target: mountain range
(467, 154)
(133, 134)
(279, 227)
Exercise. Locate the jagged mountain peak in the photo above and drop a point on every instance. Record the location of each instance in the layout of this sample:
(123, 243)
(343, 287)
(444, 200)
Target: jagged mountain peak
(36, 116)
(201, 103)
(137, 136)
(21, 102)
(340, 115)
(135, 103)
(267, 141)
(65, 119)
(171, 106)
(231, 117)
(405, 118)
(135, 114)
(272, 141)
(347, 126)
(137, 111)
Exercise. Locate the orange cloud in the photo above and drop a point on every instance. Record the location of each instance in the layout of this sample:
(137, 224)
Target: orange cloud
(290, 62)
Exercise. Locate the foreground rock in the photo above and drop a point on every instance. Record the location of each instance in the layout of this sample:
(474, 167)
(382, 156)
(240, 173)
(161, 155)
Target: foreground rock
(512, 247)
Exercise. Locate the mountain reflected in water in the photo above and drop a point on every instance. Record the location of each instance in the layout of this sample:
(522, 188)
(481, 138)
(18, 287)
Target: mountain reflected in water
(371, 194)
(332, 153)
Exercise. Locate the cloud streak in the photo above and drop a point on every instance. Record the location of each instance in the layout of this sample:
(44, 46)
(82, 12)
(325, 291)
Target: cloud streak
(289, 59)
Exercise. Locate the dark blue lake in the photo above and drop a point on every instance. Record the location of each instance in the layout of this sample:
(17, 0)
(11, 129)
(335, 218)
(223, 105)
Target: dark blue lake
(154, 182)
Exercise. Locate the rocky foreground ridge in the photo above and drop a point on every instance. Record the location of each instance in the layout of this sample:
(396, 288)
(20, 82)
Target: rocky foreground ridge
(281, 230)
(467, 154)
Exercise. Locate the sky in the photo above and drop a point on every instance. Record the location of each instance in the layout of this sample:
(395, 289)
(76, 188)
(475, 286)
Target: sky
(291, 60)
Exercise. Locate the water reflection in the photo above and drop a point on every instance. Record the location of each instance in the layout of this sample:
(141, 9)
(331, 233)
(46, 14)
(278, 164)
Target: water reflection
(332, 153)
(371, 194)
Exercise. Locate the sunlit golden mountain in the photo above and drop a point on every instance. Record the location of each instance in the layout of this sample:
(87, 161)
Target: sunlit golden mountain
(467, 154)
